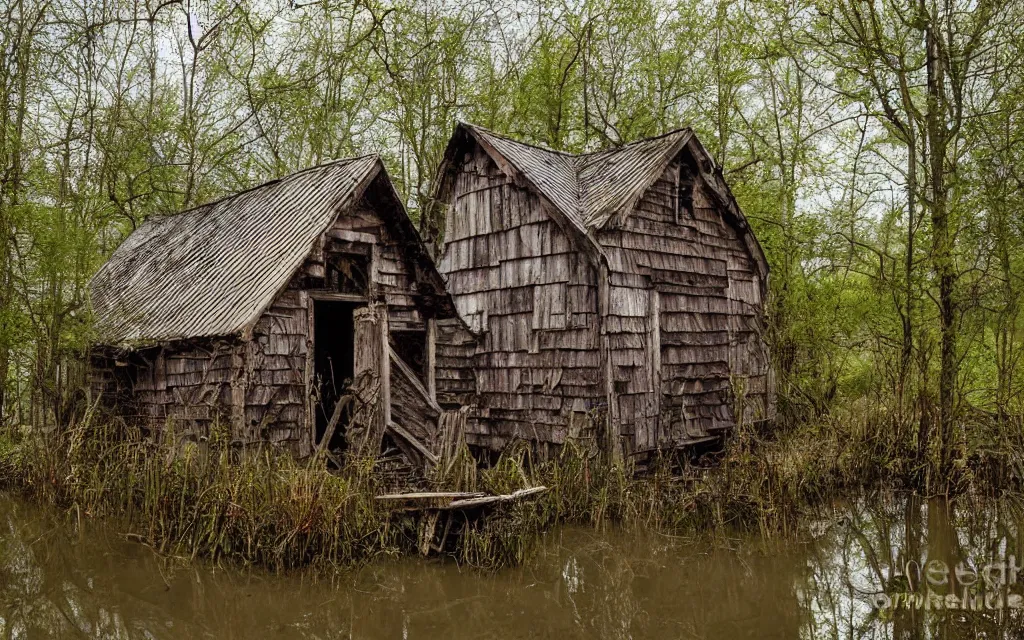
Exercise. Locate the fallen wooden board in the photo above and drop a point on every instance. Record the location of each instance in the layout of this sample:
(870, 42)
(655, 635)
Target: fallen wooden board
(470, 503)
(456, 499)
(427, 495)
(332, 426)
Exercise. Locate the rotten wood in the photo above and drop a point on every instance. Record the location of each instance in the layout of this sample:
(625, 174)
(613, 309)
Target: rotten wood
(639, 329)
(332, 425)
(431, 357)
(422, 453)
(418, 496)
(484, 501)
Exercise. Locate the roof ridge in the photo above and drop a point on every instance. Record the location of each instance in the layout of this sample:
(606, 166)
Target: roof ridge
(587, 154)
(584, 175)
(532, 145)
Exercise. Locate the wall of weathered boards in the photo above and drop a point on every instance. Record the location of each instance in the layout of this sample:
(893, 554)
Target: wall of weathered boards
(621, 289)
(623, 285)
(210, 317)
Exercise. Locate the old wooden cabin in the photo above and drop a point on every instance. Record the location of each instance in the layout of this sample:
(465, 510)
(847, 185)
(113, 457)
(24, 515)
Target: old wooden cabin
(299, 312)
(624, 284)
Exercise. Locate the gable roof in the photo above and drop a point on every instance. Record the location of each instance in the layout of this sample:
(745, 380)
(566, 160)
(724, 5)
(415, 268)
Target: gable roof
(616, 179)
(213, 270)
(553, 173)
(589, 190)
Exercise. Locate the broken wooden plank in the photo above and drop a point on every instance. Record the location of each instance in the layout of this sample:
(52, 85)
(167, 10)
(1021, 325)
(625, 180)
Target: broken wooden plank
(470, 503)
(364, 435)
(427, 527)
(431, 495)
(408, 438)
(352, 236)
(332, 426)
(407, 371)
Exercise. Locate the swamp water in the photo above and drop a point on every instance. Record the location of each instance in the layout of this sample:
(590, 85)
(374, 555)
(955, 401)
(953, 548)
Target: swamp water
(841, 578)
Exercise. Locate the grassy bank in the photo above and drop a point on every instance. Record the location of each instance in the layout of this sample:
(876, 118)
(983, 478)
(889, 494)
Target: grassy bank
(764, 481)
(263, 508)
(259, 507)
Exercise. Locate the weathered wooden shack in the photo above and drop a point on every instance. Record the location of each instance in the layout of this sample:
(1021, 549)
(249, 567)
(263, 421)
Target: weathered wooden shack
(625, 283)
(300, 312)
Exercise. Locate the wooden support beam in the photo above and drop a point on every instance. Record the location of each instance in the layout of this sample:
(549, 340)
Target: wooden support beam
(407, 371)
(385, 364)
(352, 236)
(676, 195)
(369, 358)
(307, 375)
(335, 297)
(612, 444)
(411, 440)
(432, 358)
(373, 286)
(238, 388)
(654, 359)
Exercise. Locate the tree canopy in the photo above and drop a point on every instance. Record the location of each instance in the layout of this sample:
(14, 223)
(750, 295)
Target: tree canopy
(875, 146)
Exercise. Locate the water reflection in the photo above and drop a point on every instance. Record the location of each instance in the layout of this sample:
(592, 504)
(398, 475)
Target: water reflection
(909, 568)
(831, 582)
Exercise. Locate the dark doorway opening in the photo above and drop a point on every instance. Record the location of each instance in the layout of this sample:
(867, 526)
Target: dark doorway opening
(333, 365)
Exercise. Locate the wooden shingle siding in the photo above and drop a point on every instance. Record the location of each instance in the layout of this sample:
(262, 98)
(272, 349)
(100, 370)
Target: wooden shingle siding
(518, 284)
(276, 404)
(298, 235)
(709, 317)
(281, 406)
(626, 281)
(187, 386)
(684, 304)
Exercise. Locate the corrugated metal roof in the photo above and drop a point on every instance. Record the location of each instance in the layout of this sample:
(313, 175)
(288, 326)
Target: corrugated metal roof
(589, 189)
(615, 180)
(212, 270)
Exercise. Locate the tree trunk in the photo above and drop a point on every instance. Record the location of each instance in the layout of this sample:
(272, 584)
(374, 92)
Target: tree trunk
(942, 249)
(13, 111)
(907, 348)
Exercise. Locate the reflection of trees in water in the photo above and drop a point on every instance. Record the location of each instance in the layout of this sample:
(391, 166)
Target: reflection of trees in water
(35, 600)
(865, 546)
(579, 584)
(587, 584)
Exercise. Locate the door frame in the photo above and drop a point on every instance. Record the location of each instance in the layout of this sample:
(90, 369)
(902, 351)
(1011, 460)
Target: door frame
(311, 298)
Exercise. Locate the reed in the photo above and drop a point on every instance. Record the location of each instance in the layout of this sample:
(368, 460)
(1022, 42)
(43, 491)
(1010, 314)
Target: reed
(261, 507)
(206, 500)
(763, 481)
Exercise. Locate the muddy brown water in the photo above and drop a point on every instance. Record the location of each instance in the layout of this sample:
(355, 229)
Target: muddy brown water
(849, 573)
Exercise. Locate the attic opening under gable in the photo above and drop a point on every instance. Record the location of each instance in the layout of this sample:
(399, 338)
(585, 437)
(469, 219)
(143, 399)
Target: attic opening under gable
(348, 273)
(686, 178)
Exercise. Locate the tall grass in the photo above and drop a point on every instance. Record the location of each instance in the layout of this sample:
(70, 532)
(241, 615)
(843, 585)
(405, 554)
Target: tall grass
(262, 507)
(186, 499)
(761, 480)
